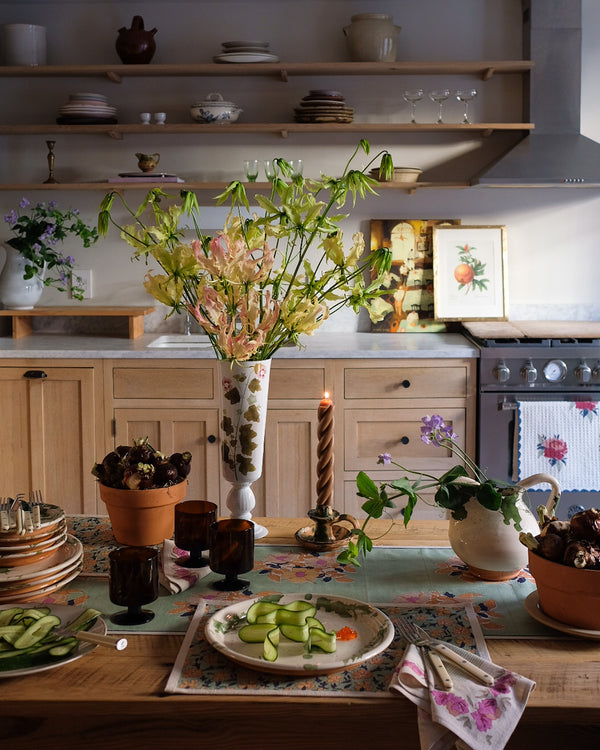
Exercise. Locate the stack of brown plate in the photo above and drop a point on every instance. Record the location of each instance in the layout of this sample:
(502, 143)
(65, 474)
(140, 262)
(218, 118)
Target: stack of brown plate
(323, 105)
(38, 562)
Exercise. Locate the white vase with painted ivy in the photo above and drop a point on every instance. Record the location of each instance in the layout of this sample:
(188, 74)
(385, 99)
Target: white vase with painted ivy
(244, 395)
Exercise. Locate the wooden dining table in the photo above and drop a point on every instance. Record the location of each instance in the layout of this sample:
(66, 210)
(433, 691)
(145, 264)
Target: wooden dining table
(117, 701)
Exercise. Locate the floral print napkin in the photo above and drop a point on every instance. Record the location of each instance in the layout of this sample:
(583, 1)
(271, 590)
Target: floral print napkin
(481, 717)
(173, 577)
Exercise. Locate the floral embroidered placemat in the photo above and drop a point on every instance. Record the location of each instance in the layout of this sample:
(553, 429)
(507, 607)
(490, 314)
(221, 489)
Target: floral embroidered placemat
(200, 669)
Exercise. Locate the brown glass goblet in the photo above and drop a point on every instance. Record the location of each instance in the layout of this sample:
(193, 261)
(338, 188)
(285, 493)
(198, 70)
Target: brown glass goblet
(133, 582)
(231, 552)
(193, 519)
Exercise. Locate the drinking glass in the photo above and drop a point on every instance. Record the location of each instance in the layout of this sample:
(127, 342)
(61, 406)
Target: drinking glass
(193, 519)
(297, 167)
(270, 170)
(439, 97)
(133, 581)
(413, 98)
(251, 169)
(231, 552)
(465, 96)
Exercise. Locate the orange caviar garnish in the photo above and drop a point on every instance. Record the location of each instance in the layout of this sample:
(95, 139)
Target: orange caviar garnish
(346, 634)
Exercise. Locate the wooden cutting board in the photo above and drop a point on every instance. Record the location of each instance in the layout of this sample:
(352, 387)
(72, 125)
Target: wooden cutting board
(537, 329)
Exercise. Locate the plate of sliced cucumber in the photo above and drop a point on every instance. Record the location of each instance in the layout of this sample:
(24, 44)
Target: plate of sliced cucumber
(36, 638)
(299, 634)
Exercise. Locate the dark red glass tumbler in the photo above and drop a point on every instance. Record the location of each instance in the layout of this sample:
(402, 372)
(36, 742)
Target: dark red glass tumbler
(231, 552)
(133, 582)
(193, 520)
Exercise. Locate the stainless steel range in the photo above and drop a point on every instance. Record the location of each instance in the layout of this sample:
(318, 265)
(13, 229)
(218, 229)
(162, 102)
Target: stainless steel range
(525, 361)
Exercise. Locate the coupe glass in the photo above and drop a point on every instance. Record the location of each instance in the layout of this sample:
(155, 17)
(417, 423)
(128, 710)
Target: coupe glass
(439, 97)
(232, 552)
(251, 169)
(413, 98)
(193, 519)
(465, 96)
(133, 582)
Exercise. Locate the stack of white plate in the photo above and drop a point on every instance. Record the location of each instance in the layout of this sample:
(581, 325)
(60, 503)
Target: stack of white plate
(39, 562)
(323, 105)
(242, 51)
(87, 108)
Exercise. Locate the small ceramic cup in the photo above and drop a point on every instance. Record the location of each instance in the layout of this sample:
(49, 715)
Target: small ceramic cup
(145, 118)
(160, 118)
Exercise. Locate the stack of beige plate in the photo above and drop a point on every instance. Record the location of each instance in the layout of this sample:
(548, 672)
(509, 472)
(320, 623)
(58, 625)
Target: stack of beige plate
(86, 109)
(323, 105)
(400, 174)
(37, 557)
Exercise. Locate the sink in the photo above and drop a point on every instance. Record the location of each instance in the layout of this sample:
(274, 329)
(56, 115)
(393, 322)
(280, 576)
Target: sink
(181, 341)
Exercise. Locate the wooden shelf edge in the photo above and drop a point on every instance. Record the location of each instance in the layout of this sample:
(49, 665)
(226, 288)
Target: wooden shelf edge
(22, 324)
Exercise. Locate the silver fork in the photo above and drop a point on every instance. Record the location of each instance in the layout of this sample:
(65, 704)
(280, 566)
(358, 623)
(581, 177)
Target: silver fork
(405, 628)
(36, 499)
(419, 637)
(5, 505)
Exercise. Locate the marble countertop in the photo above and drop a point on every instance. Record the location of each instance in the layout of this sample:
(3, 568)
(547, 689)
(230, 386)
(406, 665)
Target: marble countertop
(320, 346)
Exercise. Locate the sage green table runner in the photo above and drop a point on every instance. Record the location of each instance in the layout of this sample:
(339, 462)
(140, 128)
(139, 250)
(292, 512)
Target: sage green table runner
(416, 577)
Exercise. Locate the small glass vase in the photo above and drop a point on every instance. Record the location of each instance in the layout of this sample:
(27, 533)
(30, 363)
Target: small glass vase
(16, 292)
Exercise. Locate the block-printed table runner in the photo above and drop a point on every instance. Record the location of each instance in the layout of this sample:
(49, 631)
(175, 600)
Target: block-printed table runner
(401, 576)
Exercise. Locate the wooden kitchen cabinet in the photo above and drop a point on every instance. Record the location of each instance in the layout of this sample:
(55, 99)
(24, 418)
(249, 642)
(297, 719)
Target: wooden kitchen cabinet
(51, 431)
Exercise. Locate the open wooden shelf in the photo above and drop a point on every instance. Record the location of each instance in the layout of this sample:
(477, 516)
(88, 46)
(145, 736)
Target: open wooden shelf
(483, 69)
(22, 320)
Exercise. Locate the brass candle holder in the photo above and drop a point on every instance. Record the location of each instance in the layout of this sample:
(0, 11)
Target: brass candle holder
(51, 179)
(325, 533)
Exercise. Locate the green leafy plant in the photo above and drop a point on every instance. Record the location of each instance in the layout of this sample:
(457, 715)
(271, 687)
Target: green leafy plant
(38, 230)
(264, 279)
(454, 489)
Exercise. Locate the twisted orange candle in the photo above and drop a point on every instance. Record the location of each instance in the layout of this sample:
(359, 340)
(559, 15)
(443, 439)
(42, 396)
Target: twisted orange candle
(325, 453)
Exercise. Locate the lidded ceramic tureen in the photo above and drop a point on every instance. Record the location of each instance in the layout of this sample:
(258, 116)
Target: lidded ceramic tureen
(215, 109)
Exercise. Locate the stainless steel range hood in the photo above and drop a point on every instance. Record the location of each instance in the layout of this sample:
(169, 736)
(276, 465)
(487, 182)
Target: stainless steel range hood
(555, 154)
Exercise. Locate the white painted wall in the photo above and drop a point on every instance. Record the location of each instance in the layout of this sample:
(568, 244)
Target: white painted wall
(552, 233)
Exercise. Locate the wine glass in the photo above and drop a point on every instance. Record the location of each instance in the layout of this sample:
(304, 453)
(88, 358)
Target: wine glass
(439, 96)
(251, 169)
(465, 96)
(231, 552)
(413, 97)
(270, 170)
(297, 167)
(193, 519)
(133, 581)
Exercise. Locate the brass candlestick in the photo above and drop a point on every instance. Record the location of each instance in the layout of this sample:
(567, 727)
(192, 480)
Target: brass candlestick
(51, 179)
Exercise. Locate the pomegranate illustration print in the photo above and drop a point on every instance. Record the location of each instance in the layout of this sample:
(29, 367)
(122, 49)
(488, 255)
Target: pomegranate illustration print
(469, 271)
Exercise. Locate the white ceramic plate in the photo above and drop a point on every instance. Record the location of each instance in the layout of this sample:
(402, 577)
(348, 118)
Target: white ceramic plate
(71, 550)
(374, 634)
(27, 555)
(245, 57)
(50, 517)
(43, 589)
(27, 542)
(244, 43)
(67, 614)
(532, 605)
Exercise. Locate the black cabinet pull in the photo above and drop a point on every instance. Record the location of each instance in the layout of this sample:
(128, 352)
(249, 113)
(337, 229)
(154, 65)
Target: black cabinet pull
(405, 383)
(404, 440)
(35, 374)
(211, 439)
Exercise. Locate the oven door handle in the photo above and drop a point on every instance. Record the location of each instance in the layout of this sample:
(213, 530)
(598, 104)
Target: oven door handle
(508, 405)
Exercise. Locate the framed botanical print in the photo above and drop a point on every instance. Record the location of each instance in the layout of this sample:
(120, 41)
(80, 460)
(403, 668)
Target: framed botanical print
(469, 272)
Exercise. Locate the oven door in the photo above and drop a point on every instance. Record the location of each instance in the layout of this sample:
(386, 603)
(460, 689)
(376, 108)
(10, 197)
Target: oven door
(495, 440)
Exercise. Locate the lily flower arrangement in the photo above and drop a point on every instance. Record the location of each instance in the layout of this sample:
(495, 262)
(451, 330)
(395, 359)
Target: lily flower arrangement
(38, 230)
(264, 279)
(455, 488)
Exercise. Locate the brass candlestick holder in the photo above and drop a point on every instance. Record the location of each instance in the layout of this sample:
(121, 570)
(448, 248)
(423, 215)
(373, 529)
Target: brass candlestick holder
(51, 179)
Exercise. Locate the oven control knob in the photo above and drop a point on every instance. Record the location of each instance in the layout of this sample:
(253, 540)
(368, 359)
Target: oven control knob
(501, 372)
(528, 372)
(583, 372)
(555, 371)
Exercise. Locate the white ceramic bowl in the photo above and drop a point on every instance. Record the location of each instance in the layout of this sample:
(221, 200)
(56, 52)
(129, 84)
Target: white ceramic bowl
(214, 109)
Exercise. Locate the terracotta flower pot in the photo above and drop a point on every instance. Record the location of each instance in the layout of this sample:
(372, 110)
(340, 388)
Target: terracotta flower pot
(569, 595)
(142, 517)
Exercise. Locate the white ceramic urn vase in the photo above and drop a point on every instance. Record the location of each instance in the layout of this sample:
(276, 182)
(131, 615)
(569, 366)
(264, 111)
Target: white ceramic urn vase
(16, 292)
(490, 547)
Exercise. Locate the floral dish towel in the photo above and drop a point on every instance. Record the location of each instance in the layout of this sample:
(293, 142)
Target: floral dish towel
(559, 438)
(472, 715)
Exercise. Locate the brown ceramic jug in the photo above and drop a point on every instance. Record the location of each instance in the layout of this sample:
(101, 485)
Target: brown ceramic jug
(136, 45)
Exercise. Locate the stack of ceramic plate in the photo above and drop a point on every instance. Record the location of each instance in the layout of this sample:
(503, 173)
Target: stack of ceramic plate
(245, 52)
(323, 105)
(38, 562)
(86, 109)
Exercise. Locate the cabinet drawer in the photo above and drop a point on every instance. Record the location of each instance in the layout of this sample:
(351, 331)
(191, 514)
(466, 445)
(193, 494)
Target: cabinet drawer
(371, 432)
(167, 382)
(297, 383)
(405, 382)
